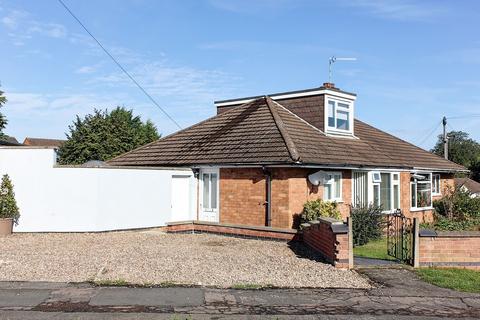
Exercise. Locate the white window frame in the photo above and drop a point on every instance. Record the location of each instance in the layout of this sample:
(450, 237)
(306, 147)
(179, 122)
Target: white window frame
(436, 188)
(429, 181)
(350, 110)
(208, 207)
(331, 183)
(375, 183)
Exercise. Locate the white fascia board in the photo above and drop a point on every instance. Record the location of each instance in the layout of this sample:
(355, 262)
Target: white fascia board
(292, 95)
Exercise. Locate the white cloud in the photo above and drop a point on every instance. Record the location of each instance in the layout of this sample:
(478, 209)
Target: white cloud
(252, 6)
(22, 27)
(86, 70)
(398, 9)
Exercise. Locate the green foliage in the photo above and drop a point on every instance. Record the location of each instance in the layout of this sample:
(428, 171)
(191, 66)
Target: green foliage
(8, 204)
(313, 209)
(104, 135)
(462, 150)
(367, 223)
(456, 211)
(3, 120)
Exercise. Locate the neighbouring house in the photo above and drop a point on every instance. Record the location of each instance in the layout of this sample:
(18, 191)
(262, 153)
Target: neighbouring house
(260, 158)
(41, 142)
(469, 185)
(9, 141)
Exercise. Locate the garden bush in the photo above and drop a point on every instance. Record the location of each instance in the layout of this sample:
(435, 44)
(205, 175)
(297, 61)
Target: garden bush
(8, 205)
(313, 209)
(456, 211)
(367, 223)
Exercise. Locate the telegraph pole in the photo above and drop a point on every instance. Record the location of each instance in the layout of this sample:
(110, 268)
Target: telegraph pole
(445, 138)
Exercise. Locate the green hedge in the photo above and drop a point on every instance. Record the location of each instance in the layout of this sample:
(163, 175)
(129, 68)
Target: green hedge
(367, 224)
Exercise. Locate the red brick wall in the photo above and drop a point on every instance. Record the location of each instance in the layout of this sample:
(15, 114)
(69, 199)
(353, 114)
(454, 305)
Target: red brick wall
(333, 247)
(243, 195)
(450, 250)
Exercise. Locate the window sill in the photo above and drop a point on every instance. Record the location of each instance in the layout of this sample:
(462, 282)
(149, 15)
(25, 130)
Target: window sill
(333, 200)
(420, 209)
(436, 194)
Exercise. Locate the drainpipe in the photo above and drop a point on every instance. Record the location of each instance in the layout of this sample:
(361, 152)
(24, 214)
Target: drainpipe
(268, 200)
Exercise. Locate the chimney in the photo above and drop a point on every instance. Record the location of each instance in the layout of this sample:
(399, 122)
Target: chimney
(329, 85)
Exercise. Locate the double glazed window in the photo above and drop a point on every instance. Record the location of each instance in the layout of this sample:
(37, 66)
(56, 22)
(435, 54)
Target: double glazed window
(339, 116)
(386, 190)
(332, 190)
(421, 190)
(210, 181)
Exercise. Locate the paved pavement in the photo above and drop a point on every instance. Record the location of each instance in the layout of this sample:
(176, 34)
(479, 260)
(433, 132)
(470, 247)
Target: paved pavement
(399, 294)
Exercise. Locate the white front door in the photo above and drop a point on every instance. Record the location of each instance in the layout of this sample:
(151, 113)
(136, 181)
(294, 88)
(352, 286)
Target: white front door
(180, 198)
(209, 195)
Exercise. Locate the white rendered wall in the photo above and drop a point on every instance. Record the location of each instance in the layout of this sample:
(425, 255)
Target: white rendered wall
(62, 199)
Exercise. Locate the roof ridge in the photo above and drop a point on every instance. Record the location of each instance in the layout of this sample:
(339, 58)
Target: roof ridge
(292, 149)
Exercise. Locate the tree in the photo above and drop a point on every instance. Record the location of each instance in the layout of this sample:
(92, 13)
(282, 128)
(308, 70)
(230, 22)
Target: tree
(8, 204)
(104, 135)
(3, 120)
(461, 148)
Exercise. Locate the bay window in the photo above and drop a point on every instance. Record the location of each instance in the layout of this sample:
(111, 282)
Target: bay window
(332, 190)
(421, 191)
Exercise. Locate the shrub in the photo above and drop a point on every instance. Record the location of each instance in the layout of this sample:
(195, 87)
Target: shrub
(367, 223)
(457, 204)
(313, 209)
(8, 205)
(456, 211)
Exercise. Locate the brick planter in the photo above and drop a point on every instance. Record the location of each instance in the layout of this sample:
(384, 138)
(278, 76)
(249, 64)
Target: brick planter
(330, 238)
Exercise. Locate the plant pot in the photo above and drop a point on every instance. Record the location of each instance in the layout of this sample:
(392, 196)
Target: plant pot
(6, 226)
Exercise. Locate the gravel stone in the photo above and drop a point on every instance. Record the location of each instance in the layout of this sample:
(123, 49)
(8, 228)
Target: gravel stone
(153, 257)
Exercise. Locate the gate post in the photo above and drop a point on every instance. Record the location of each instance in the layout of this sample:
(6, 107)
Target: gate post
(416, 243)
(350, 243)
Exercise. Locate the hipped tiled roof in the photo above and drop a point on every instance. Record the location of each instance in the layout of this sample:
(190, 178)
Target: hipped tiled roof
(264, 132)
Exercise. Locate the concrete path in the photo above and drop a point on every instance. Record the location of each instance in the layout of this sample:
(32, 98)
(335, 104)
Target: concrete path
(399, 294)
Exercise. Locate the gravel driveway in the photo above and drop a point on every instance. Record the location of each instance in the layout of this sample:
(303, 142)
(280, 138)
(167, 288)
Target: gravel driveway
(152, 257)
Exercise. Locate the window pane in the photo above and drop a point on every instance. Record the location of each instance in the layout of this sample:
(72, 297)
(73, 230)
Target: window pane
(214, 181)
(396, 197)
(376, 194)
(327, 192)
(395, 177)
(206, 190)
(343, 105)
(424, 192)
(342, 120)
(337, 186)
(331, 113)
(385, 191)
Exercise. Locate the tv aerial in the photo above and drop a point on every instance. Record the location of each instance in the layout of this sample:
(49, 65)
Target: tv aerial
(334, 59)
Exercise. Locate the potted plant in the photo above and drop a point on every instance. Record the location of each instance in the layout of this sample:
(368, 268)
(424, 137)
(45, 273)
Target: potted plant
(9, 213)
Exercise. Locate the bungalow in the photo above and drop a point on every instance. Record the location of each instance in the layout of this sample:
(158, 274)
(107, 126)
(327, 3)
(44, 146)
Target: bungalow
(260, 158)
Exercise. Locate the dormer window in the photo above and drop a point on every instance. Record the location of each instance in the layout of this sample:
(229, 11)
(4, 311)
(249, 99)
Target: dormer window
(339, 116)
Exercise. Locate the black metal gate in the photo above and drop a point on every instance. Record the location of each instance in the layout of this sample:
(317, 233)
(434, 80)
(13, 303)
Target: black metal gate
(400, 237)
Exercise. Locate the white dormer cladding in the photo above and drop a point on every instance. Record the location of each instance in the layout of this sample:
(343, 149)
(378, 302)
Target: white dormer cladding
(339, 113)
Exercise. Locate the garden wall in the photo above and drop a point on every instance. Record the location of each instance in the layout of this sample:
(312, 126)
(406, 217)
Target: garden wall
(55, 198)
(331, 239)
(449, 249)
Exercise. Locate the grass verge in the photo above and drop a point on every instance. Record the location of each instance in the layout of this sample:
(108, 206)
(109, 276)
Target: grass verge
(376, 249)
(457, 279)
(250, 286)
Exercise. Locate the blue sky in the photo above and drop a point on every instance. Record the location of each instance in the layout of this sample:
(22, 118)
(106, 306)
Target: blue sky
(417, 60)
